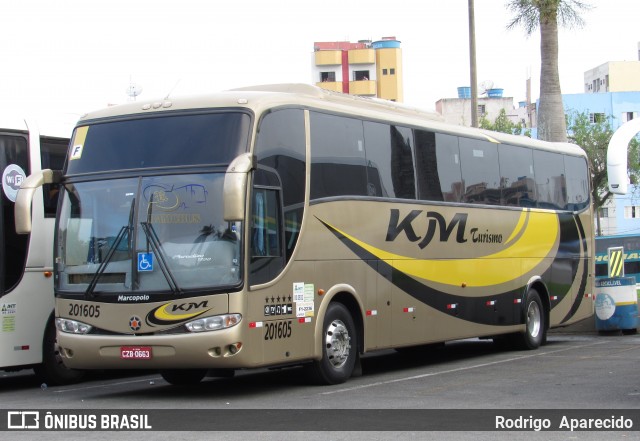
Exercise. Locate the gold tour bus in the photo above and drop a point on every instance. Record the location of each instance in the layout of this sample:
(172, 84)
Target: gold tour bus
(284, 225)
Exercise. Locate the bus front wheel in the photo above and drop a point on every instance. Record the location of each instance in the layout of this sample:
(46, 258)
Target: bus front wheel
(52, 370)
(339, 347)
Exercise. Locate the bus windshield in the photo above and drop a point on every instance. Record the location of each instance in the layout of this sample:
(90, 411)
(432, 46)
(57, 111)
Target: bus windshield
(155, 234)
(158, 231)
(170, 140)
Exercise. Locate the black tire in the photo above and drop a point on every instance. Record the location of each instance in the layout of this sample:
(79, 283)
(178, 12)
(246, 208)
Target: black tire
(52, 370)
(535, 333)
(183, 377)
(339, 347)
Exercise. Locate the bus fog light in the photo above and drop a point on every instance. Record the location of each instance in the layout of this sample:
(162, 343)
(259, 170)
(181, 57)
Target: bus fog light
(234, 348)
(214, 323)
(72, 326)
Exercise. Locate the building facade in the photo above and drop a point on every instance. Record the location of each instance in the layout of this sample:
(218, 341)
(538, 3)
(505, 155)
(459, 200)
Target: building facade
(458, 110)
(613, 76)
(365, 68)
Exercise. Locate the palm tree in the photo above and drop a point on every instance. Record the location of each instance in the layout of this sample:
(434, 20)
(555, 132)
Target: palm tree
(547, 14)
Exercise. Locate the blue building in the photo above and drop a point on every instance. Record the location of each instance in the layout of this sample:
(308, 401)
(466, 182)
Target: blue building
(622, 214)
(623, 106)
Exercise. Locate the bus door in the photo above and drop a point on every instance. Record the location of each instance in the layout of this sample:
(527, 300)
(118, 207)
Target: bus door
(14, 163)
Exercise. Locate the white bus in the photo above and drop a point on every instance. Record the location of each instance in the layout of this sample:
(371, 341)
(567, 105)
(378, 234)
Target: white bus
(289, 225)
(27, 329)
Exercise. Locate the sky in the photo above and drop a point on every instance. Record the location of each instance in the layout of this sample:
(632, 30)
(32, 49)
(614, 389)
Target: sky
(75, 56)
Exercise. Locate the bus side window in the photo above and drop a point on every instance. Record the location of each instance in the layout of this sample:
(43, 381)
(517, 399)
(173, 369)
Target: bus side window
(551, 186)
(577, 183)
(517, 179)
(480, 171)
(280, 146)
(266, 259)
(438, 166)
(265, 239)
(338, 163)
(53, 152)
(389, 154)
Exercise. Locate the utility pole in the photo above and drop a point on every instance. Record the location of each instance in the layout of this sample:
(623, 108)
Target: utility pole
(472, 67)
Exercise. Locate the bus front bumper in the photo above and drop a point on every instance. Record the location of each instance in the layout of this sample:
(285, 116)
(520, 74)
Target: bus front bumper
(216, 349)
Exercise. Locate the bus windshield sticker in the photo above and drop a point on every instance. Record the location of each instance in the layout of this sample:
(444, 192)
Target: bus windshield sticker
(303, 292)
(298, 292)
(8, 312)
(304, 309)
(168, 197)
(76, 152)
(145, 261)
(278, 309)
(79, 139)
(308, 292)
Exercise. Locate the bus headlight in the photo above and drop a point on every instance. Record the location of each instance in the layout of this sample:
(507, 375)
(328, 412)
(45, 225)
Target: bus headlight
(213, 323)
(72, 326)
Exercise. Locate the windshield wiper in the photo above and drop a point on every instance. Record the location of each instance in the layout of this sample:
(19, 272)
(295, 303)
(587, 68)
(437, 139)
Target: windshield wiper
(156, 246)
(126, 229)
(105, 261)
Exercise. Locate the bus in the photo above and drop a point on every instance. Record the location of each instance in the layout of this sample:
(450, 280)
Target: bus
(631, 245)
(27, 331)
(285, 225)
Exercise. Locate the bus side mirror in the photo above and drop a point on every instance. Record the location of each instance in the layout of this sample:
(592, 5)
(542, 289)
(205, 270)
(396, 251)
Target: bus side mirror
(617, 156)
(24, 198)
(235, 187)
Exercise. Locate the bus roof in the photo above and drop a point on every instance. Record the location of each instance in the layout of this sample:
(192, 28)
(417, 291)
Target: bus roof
(263, 97)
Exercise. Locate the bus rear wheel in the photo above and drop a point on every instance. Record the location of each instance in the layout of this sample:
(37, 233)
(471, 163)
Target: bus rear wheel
(536, 328)
(183, 377)
(339, 347)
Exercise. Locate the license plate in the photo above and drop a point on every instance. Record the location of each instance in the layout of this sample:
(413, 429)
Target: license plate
(135, 352)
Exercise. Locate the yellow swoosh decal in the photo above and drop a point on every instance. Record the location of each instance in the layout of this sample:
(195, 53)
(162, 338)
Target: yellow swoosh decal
(518, 229)
(163, 314)
(533, 245)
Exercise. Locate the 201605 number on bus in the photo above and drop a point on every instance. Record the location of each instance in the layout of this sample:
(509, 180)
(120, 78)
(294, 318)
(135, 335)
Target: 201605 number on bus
(135, 353)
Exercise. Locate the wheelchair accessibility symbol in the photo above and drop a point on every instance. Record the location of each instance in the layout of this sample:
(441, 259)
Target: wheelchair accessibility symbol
(145, 261)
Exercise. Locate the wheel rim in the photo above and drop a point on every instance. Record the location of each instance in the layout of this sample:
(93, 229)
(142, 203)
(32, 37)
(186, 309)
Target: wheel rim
(337, 343)
(534, 319)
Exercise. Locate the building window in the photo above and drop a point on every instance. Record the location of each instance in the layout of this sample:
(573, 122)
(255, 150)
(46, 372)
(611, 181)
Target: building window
(392, 71)
(628, 116)
(327, 77)
(482, 109)
(632, 212)
(596, 118)
(385, 71)
(603, 212)
(361, 75)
